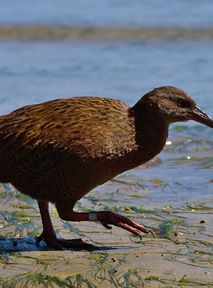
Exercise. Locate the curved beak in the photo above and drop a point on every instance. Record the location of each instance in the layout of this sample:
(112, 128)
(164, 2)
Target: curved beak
(201, 117)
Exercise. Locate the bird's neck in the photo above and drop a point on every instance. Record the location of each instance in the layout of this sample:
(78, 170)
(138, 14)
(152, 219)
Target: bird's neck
(151, 133)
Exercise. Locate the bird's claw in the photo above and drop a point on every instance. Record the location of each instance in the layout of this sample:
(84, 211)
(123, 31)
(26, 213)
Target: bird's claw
(106, 225)
(107, 218)
(60, 243)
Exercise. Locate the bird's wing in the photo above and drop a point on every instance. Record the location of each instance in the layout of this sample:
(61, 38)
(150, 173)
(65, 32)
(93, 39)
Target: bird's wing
(84, 126)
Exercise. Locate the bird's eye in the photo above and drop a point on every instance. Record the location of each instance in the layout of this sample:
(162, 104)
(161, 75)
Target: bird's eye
(183, 103)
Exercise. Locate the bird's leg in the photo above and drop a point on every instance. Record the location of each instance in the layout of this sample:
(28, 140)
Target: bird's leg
(106, 218)
(48, 233)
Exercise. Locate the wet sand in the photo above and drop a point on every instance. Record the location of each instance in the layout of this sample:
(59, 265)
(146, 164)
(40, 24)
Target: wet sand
(181, 255)
(55, 33)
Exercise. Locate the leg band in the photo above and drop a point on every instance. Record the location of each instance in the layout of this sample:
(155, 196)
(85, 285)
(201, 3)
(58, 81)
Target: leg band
(93, 216)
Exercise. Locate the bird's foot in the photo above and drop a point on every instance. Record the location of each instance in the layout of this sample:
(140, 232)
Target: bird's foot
(109, 218)
(59, 243)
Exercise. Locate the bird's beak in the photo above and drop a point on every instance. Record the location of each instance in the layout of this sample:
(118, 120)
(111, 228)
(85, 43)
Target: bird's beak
(201, 117)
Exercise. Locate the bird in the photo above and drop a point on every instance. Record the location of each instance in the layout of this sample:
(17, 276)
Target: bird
(58, 151)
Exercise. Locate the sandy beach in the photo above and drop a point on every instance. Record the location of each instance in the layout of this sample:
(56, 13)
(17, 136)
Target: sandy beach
(180, 255)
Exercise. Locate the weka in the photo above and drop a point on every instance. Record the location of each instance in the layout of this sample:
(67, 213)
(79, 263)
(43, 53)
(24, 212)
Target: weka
(59, 150)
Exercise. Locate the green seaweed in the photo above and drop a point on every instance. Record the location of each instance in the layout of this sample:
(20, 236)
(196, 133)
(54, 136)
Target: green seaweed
(178, 283)
(106, 268)
(168, 226)
(34, 279)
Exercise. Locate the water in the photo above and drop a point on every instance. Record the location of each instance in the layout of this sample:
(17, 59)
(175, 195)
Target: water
(32, 72)
(37, 71)
(165, 13)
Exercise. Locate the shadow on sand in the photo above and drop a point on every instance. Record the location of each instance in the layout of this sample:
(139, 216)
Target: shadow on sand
(28, 244)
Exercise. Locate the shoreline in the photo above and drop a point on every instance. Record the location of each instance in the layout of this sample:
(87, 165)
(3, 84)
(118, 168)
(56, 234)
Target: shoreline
(30, 32)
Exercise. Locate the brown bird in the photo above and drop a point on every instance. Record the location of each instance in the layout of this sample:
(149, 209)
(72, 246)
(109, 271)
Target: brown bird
(59, 150)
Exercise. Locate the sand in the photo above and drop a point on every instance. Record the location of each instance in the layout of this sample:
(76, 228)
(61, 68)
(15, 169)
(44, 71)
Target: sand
(180, 256)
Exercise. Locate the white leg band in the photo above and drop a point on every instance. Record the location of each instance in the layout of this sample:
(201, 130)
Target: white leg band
(93, 216)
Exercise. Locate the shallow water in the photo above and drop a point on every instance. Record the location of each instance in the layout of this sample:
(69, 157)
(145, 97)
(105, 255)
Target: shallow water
(164, 13)
(37, 71)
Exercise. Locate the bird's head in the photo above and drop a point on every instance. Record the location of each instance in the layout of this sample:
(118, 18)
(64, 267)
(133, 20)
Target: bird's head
(173, 105)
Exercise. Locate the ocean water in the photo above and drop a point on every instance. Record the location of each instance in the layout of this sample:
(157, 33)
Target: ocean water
(165, 13)
(33, 71)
